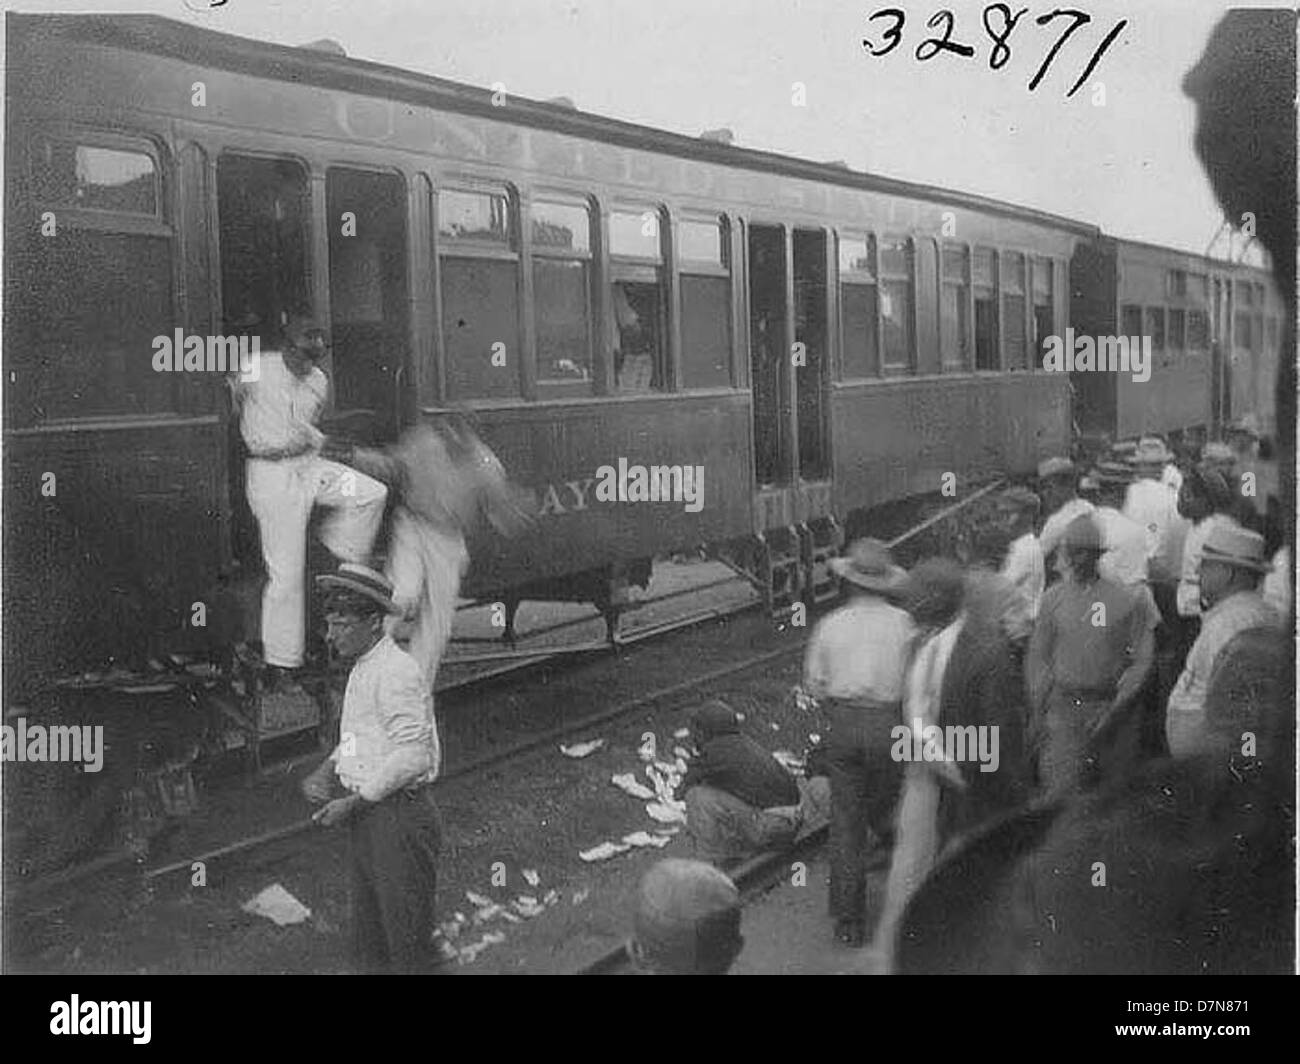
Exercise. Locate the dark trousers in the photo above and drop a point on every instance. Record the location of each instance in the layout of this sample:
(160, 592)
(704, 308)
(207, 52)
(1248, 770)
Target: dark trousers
(394, 848)
(865, 782)
(1174, 638)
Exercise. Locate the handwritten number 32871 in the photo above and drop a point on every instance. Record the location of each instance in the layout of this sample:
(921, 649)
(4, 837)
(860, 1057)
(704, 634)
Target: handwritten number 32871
(999, 21)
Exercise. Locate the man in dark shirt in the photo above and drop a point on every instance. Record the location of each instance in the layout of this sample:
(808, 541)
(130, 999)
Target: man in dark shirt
(739, 799)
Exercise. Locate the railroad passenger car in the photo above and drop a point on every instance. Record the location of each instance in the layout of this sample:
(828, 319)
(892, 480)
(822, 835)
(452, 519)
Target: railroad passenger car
(820, 341)
(1215, 329)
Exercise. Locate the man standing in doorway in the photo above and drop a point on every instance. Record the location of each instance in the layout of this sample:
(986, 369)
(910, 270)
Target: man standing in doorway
(287, 475)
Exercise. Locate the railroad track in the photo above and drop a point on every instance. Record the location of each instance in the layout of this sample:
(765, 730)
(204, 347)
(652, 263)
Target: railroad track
(302, 830)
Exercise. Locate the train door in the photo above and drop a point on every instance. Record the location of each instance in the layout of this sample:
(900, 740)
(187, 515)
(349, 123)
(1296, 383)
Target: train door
(811, 361)
(263, 207)
(366, 215)
(769, 352)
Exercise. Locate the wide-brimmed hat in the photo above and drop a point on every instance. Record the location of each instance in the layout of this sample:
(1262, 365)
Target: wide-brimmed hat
(1218, 454)
(1247, 424)
(1082, 534)
(1018, 500)
(1050, 468)
(1230, 544)
(1111, 474)
(1151, 451)
(354, 582)
(870, 566)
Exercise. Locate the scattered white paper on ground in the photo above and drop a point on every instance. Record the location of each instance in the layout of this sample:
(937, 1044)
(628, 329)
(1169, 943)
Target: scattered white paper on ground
(278, 905)
(532, 878)
(582, 749)
(644, 838)
(790, 762)
(581, 896)
(681, 733)
(665, 814)
(477, 900)
(469, 954)
(551, 897)
(681, 753)
(604, 851)
(627, 783)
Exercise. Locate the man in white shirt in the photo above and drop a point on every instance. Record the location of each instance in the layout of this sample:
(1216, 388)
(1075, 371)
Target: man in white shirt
(1125, 541)
(1153, 505)
(1232, 568)
(1023, 568)
(287, 475)
(1205, 500)
(854, 667)
(387, 756)
(1058, 488)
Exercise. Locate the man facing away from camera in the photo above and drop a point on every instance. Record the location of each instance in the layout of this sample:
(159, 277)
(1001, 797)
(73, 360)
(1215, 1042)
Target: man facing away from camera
(854, 668)
(387, 757)
(687, 921)
(288, 474)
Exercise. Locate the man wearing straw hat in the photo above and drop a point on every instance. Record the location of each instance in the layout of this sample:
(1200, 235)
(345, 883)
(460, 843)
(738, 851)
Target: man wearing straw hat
(1058, 482)
(1232, 568)
(387, 756)
(854, 667)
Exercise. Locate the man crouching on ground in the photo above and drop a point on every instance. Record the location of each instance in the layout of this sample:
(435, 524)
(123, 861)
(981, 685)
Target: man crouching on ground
(387, 756)
(739, 799)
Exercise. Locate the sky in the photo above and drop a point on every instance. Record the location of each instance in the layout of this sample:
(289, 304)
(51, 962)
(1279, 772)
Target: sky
(1118, 154)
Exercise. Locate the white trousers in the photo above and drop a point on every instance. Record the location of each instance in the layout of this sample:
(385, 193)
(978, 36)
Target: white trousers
(281, 494)
(425, 565)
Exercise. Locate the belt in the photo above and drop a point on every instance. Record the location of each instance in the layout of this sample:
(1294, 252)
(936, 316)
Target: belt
(1089, 694)
(283, 453)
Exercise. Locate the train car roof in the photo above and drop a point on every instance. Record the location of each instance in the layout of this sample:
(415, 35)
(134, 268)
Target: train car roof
(156, 35)
(1211, 263)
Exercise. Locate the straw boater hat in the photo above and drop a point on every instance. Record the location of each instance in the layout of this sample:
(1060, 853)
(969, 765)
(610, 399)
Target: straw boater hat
(1219, 455)
(1230, 544)
(1050, 468)
(870, 566)
(357, 585)
(1151, 451)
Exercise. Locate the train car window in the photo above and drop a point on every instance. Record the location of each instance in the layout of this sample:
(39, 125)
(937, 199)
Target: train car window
(264, 209)
(1272, 334)
(706, 304)
(1257, 333)
(1198, 330)
(479, 265)
(1131, 320)
(477, 216)
(1177, 330)
(896, 304)
(635, 236)
(1201, 286)
(368, 295)
(1176, 283)
(562, 298)
(954, 309)
(640, 302)
(1013, 312)
(88, 177)
(1155, 322)
(1044, 307)
(1259, 294)
(858, 308)
(810, 374)
(702, 243)
(984, 282)
(1245, 293)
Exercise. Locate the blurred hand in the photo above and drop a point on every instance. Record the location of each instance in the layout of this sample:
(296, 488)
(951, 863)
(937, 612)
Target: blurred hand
(336, 812)
(316, 786)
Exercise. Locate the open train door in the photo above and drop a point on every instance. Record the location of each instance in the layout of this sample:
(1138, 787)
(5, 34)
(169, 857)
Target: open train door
(365, 213)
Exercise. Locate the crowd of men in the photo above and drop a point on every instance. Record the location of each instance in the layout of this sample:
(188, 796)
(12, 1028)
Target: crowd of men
(1123, 632)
